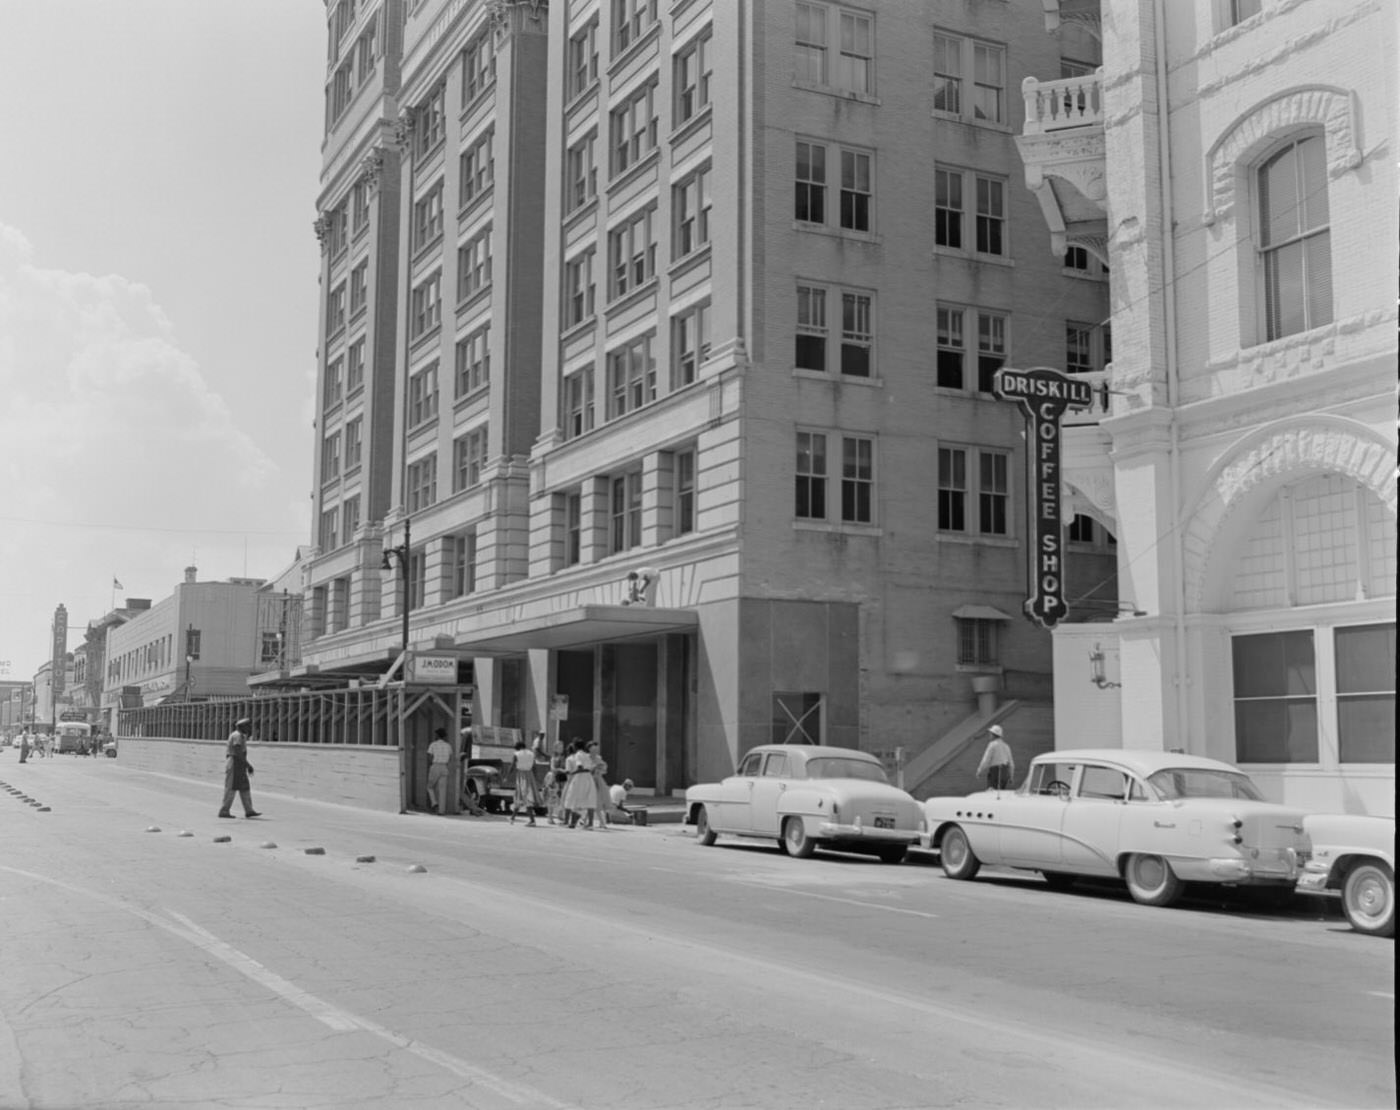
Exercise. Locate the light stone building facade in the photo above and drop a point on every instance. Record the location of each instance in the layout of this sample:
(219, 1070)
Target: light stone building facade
(1234, 163)
(696, 309)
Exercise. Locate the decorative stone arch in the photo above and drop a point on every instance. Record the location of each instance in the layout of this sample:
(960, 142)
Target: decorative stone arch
(1254, 469)
(1331, 108)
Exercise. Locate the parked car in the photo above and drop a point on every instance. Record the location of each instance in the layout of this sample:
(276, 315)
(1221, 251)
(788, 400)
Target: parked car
(808, 797)
(1154, 819)
(1354, 857)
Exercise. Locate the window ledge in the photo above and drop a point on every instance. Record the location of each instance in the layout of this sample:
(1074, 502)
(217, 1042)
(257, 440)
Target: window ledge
(839, 94)
(480, 293)
(421, 340)
(873, 238)
(969, 538)
(579, 97)
(979, 668)
(974, 256)
(969, 121)
(1081, 275)
(623, 300)
(588, 207)
(970, 394)
(360, 232)
(471, 105)
(632, 49)
(686, 261)
(357, 313)
(840, 527)
(352, 394)
(873, 382)
(573, 331)
(646, 161)
(435, 243)
(465, 399)
(467, 207)
(683, 129)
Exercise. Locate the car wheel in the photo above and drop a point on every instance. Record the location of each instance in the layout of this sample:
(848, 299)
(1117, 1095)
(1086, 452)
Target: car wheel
(796, 842)
(893, 854)
(1058, 880)
(956, 854)
(703, 833)
(1368, 899)
(1151, 880)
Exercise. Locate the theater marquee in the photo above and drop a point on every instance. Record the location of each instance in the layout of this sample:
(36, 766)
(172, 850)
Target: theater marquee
(1044, 395)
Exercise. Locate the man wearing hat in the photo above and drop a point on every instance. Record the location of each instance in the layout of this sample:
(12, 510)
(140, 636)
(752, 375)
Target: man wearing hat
(997, 764)
(237, 769)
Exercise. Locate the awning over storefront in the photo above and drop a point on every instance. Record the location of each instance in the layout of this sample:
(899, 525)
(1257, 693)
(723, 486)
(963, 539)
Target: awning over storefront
(579, 627)
(980, 613)
(366, 667)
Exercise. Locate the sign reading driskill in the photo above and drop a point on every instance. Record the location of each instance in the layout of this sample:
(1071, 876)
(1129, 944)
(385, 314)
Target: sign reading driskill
(1043, 396)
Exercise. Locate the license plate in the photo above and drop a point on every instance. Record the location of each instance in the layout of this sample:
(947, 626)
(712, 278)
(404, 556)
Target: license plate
(884, 822)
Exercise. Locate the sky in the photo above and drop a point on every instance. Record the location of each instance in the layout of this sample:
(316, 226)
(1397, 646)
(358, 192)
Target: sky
(159, 166)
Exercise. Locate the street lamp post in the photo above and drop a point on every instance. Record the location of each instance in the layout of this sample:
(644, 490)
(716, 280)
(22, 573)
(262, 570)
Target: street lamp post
(400, 554)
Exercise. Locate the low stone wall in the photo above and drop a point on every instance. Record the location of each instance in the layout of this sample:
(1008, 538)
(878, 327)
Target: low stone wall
(347, 774)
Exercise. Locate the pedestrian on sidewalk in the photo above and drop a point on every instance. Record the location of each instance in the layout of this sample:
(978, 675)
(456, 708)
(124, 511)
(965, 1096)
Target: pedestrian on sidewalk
(237, 769)
(555, 779)
(439, 762)
(24, 747)
(581, 792)
(600, 784)
(617, 796)
(998, 764)
(526, 794)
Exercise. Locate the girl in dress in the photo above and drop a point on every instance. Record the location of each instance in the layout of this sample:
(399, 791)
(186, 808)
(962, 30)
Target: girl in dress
(600, 768)
(526, 796)
(581, 793)
(555, 780)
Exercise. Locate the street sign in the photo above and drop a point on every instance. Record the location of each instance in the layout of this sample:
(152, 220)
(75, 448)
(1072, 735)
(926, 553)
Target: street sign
(1043, 395)
(438, 670)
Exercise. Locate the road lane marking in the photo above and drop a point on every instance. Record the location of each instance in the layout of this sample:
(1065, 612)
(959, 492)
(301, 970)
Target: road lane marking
(1383, 994)
(336, 1018)
(834, 898)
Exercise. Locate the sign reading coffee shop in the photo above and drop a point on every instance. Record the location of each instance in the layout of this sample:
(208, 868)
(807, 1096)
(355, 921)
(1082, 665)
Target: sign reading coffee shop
(1043, 396)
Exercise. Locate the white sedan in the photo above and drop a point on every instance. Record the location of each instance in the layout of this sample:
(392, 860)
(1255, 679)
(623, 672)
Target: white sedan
(1354, 857)
(1154, 819)
(806, 797)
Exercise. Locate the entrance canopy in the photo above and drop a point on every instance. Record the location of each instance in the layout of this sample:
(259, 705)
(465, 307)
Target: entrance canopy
(580, 627)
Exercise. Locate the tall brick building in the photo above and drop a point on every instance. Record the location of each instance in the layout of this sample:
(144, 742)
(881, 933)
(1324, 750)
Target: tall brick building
(679, 325)
(1230, 163)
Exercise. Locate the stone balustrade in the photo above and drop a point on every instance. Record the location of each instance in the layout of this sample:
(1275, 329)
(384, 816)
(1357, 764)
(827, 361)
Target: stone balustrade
(1059, 105)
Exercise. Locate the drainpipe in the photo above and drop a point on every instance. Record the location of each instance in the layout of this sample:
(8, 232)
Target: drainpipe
(1173, 382)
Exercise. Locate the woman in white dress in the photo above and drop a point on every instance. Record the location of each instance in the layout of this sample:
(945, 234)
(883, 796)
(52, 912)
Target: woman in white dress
(581, 793)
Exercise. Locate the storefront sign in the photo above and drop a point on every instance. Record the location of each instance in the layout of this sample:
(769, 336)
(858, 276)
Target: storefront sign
(60, 648)
(439, 670)
(1043, 396)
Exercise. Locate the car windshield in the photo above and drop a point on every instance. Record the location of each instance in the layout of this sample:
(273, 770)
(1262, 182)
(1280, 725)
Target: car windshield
(837, 767)
(1195, 782)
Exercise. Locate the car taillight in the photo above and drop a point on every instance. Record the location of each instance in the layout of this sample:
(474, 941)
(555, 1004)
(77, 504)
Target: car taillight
(835, 811)
(1235, 826)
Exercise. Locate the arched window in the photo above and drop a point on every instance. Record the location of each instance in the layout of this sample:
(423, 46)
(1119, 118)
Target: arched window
(1294, 238)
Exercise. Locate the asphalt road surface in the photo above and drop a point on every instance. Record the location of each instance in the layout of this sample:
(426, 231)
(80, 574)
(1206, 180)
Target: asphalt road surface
(630, 968)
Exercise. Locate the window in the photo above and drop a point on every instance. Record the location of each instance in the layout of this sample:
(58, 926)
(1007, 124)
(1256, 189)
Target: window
(354, 442)
(631, 19)
(271, 651)
(582, 67)
(336, 239)
(330, 457)
(429, 124)
(578, 403)
(811, 329)
(857, 479)
(856, 355)
(1079, 358)
(991, 349)
(625, 512)
(854, 32)
(580, 174)
(811, 476)
(342, 89)
(991, 216)
(797, 719)
(423, 395)
(333, 383)
(948, 209)
(350, 518)
(461, 562)
(1275, 698)
(359, 206)
(1295, 243)
(632, 253)
(427, 306)
(578, 289)
(478, 168)
(417, 578)
(469, 459)
(952, 347)
(978, 642)
(573, 528)
(1366, 693)
(990, 498)
(953, 58)
(366, 53)
(857, 335)
(634, 128)
(359, 288)
(1237, 11)
(335, 309)
(422, 483)
(326, 536)
(690, 205)
(684, 474)
(951, 325)
(427, 218)
(855, 190)
(473, 362)
(478, 66)
(690, 344)
(355, 366)
(631, 377)
(474, 264)
(811, 183)
(691, 79)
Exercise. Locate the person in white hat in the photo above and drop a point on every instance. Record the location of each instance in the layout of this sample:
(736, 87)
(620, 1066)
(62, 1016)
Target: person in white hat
(998, 764)
(237, 769)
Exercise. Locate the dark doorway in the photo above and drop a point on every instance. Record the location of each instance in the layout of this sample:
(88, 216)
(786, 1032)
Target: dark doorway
(574, 679)
(634, 710)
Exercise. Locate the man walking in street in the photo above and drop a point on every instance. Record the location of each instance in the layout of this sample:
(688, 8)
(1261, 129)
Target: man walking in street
(237, 769)
(997, 764)
(439, 761)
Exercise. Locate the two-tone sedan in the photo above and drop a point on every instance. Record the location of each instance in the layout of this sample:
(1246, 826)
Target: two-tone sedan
(1353, 857)
(1155, 819)
(807, 797)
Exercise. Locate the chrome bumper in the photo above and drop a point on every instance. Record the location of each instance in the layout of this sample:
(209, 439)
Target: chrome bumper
(831, 830)
(1267, 866)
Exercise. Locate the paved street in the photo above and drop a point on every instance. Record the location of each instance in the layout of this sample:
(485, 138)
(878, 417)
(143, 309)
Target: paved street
(631, 968)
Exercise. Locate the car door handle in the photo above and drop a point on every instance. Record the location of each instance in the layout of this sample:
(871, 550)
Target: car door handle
(1164, 824)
